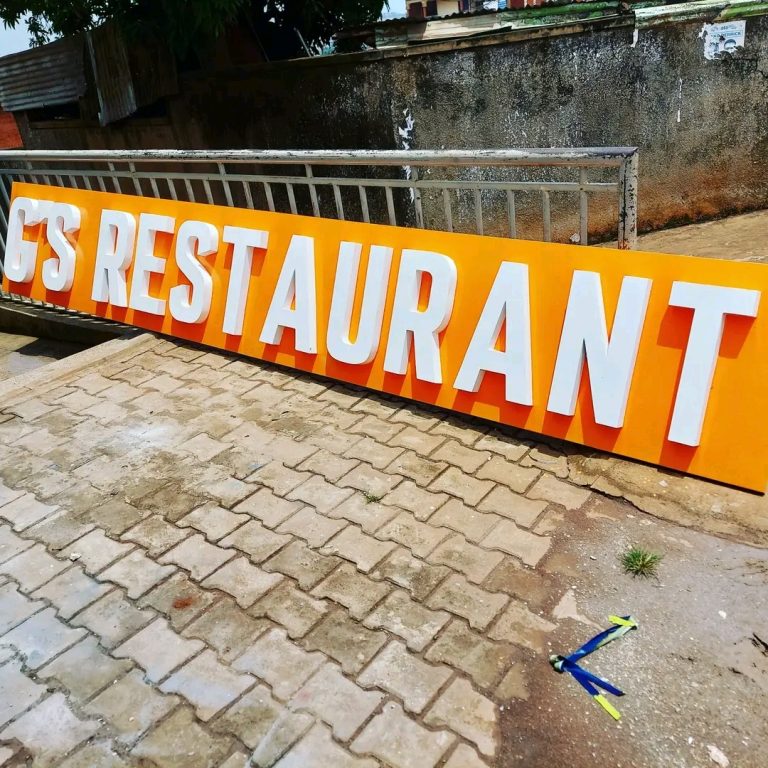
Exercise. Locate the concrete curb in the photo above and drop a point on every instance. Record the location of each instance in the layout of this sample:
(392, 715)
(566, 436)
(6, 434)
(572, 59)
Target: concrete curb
(54, 374)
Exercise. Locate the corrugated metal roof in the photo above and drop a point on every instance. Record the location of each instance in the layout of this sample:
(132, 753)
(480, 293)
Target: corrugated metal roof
(39, 77)
(112, 72)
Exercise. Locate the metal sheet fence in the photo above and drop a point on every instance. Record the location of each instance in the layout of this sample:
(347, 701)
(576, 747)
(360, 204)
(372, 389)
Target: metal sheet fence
(502, 192)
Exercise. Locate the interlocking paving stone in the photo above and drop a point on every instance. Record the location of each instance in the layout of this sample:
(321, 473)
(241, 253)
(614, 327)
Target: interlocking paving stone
(301, 563)
(464, 757)
(131, 706)
(33, 567)
(112, 618)
(84, 669)
(376, 454)
(245, 582)
(410, 620)
(256, 540)
(420, 538)
(155, 535)
(314, 528)
(279, 662)
(400, 742)
(59, 530)
(180, 741)
(474, 604)
(24, 511)
(41, 637)
(207, 684)
(98, 755)
(296, 611)
(11, 544)
(50, 730)
(351, 589)
(419, 469)
(523, 627)
(17, 692)
(460, 456)
(15, 607)
(157, 649)
(483, 660)
(269, 508)
(507, 537)
(197, 556)
(457, 483)
(410, 573)
(503, 502)
(404, 675)
(212, 520)
(467, 713)
(322, 495)
(368, 479)
(336, 700)
(515, 477)
(260, 721)
(227, 629)
(419, 501)
(551, 489)
(363, 550)
(95, 551)
(318, 750)
(136, 573)
(345, 640)
(369, 515)
(180, 599)
(473, 561)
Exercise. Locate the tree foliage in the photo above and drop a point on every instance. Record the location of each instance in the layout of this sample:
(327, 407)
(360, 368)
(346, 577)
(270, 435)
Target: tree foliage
(280, 25)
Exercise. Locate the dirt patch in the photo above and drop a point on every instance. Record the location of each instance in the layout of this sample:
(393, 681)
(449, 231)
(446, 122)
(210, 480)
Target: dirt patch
(695, 675)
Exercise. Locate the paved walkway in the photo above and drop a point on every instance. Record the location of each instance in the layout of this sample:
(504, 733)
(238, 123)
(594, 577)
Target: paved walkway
(20, 354)
(204, 557)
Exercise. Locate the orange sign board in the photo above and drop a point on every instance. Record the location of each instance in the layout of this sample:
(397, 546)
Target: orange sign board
(656, 357)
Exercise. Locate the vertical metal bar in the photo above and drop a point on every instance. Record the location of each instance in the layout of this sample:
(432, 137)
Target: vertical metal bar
(248, 195)
(313, 191)
(291, 198)
(115, 180)
(153, 184)
(416, 192)
(208, 192)
(225, 184)
(390, 206)
(364, 203)
(59, 180)
(268, 193)
(72, 181)
(171, 188)
(511, 213)
(100, 182)
(478, 212)
(87, 183)
(447, 209)
(136, 182)
(583, 208)
(546, 215)
(190, 190)
(339, 204)
(627, 238)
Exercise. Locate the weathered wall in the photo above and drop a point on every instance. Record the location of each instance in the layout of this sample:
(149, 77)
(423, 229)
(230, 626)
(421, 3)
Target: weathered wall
(702, 126)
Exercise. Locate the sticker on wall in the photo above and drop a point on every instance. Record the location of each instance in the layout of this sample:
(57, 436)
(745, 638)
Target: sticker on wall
(723, 38)
(656, 357)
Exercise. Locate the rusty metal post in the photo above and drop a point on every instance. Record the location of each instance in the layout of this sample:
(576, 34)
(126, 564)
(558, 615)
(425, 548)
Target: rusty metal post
(627, 239)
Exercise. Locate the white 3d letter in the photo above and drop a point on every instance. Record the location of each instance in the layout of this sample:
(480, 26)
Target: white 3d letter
(243, 242)
(611, 364)
(710, 305)
(410, 324)
(114, 251)
(21, 254)
(366, 344)
(508, 302)
(192, 304)
(147, 263)
(293, 303)
(59, 273)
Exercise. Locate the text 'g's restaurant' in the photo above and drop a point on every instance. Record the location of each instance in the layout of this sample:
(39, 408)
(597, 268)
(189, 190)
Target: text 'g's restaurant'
(660, 358)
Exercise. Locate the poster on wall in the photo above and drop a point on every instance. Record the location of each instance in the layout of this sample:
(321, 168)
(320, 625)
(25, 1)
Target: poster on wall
(655, 357)
(720, 39)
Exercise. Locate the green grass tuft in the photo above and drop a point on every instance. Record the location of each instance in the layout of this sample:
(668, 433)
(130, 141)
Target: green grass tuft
(640, 562)
(370, 498)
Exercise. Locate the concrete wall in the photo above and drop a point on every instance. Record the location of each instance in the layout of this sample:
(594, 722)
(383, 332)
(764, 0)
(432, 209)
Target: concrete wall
(701, 125)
